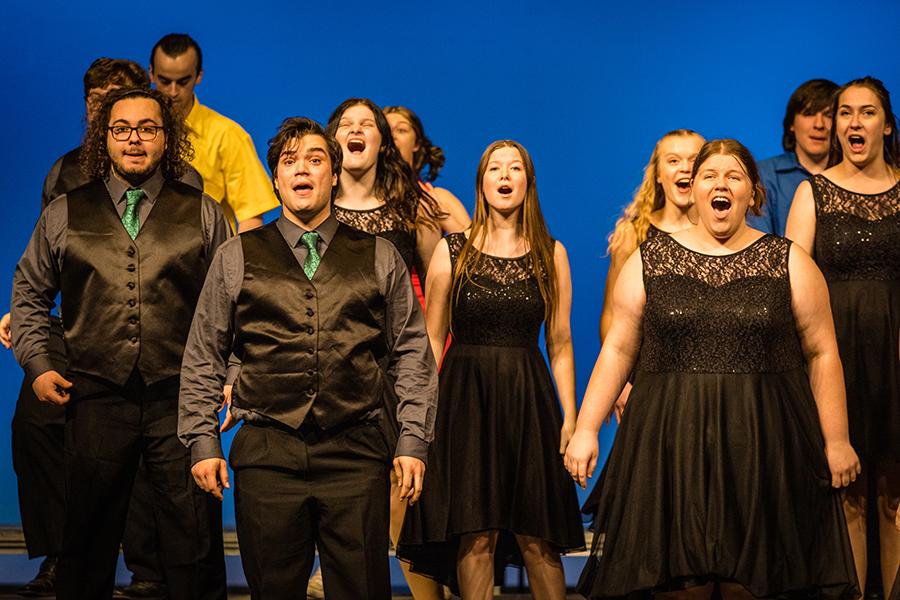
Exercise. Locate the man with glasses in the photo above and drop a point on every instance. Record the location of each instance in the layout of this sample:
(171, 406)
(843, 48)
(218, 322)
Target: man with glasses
(128, 253)
(223, 152)
(37, 428)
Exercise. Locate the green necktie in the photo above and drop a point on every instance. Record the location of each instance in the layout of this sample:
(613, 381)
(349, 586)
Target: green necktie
(130, 219)
(310, 239)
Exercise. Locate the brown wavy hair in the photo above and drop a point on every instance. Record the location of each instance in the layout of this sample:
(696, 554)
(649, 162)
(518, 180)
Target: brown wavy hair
(114, 71)
(531, 226)
(648, 198)
(289, 132)
(891, 141)
(428, 155)
(94, 157)
(396, 184)
(732, 147)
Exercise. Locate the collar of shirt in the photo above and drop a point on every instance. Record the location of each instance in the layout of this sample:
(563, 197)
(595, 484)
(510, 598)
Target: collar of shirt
(788, 162)
(291, 232)
(152, 187)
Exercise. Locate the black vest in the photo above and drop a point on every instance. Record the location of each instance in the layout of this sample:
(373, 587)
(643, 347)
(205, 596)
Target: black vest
(70, 175)
(127, 303)
(309, 346)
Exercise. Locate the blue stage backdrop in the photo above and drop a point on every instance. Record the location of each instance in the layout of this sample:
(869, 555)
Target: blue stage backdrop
(587, 87)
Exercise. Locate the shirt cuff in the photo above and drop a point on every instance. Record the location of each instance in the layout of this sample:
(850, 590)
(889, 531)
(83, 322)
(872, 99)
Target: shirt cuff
(410, 445)
(38, 365)
(206, 447)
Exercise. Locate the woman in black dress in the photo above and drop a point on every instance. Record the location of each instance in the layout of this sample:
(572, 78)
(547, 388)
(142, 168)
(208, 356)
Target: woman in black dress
(497, 492)
(736, 430)
(848, 218)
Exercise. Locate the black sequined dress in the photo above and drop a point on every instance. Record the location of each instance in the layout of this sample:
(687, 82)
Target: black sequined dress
(858, 250)
(494, 463)
(718, 470)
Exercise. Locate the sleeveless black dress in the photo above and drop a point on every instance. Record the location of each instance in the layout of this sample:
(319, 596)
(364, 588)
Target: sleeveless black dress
(494, 463)
(718, 469)
(858, 250)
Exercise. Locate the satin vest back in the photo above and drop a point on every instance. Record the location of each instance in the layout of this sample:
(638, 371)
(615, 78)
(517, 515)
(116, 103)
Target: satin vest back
(129, 304)
(309, 346)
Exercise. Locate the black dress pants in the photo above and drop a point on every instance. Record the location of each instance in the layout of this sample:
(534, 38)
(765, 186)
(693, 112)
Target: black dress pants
(108, 431)
(37, 454)
(295, 491)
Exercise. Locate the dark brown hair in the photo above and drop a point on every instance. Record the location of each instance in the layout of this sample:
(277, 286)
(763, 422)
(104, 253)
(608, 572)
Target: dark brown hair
(428, 154)
(114, 71)
(176, 44)
(531, 226)
(891, 140)
(396, 183)
(294, 128)
(809, 98)
(731, 147)
(94, 157)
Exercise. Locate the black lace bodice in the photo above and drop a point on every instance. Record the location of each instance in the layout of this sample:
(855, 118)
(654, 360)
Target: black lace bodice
(501, 305)
(857, 235)
(718, 314)
(654, 231)
(381, 222)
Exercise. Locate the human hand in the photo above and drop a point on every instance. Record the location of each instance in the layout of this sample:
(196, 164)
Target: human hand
(581, 456)
(410, 474)
(5, 333)
(565, 434)
(211, 475)
(52, 387)
(229, 421)
(843, 464)
(619, 406)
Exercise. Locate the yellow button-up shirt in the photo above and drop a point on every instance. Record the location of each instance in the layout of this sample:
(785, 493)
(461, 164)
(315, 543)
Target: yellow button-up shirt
(226, 158)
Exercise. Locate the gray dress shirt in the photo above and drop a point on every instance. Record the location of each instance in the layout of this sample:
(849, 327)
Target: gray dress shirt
(410, 365)
(37, 277)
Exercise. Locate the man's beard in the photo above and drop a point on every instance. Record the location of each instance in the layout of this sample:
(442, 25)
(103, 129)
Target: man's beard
(135, 178)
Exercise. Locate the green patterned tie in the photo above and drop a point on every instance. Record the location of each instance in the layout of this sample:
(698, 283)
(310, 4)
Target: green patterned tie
(130, 218)
(310, 239)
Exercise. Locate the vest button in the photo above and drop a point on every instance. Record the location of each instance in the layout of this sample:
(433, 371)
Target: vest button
(131, 267)
(133, 339)
(308, 294)
(133, 320)
(130, 285)
(310, 392)
(310, 312)
(311, 351)
(311, 373)
(310, 330)
(130, 251)
(131, 302)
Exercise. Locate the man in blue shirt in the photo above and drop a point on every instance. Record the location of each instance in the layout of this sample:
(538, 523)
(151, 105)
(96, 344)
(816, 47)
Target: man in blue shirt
(807, 131)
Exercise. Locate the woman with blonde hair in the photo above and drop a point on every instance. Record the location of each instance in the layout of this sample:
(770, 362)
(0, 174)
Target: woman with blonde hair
(497, 491)
(662, 204)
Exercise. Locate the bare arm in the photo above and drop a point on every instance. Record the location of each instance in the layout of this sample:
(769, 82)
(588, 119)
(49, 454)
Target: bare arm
(617, 258)
(801, 223)
(611, 370)
(437, 299)
(456, 219)
(559, 346)
(812, 313)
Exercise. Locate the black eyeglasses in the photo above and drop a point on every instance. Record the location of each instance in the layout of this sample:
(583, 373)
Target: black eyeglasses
(145, 133)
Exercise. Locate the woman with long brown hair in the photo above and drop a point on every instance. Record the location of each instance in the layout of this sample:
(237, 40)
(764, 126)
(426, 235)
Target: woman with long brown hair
(379, 193)
(497, 491)
(420, 153)
(848, 218)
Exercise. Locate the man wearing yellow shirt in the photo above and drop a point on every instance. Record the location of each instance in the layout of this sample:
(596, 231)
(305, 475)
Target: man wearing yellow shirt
(223, 152)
